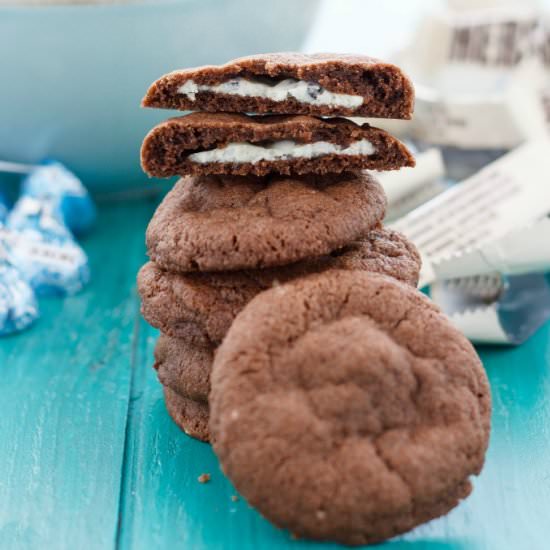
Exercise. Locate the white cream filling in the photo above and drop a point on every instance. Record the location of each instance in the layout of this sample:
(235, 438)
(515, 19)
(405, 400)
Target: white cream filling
(305, 92)
(280, 150)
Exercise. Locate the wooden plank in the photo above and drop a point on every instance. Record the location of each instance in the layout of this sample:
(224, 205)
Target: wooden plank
(64, 396)
(165, 507)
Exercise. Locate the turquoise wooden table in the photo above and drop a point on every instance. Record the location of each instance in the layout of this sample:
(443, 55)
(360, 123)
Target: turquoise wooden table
(89, 458)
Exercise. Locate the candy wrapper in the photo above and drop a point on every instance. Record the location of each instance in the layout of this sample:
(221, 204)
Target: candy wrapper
(43, 249)
(497, 309)
(53, 182)
(481, 242)
(18, 307)
(521, 251)
(486, 84)
(38, 254)
(409, 187)
(499, 293)
(492, 120)
(507, 194)
(38, 237)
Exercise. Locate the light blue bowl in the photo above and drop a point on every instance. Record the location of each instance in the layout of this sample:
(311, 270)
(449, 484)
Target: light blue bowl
(72, 77)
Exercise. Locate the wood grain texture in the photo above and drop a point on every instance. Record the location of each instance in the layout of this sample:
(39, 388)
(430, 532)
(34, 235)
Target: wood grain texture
(89, 457)
(64, 395)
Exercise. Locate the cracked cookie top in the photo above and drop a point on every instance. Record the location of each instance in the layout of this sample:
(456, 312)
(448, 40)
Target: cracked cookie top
(214, 223)
(345, 406)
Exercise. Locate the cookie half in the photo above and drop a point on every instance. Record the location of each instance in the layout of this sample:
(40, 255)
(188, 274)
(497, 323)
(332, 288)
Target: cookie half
(184, 367)
(289, 83)
(191, 416)
(200, 307)
(346, 407)
(237, 144)
(216, 223)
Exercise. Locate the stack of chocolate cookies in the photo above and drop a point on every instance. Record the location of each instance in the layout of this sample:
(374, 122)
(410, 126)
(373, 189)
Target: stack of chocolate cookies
(341, 403)
(262, 199)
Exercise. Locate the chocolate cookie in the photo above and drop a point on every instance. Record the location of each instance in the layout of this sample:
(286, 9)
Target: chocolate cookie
(191, 416)
(200, 307)
(289, 83)
(222, 143)
(183, 367)
(215, 223)
(345, 406)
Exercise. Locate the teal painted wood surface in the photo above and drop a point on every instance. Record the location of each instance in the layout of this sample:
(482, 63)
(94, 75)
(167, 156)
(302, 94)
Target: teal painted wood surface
(89, 458)
(64, 396)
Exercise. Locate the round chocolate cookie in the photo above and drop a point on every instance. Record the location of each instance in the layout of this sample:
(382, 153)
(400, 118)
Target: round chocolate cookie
(215, 223)
(191, 416)
(345, 406)
(200, 307)
(184, 368)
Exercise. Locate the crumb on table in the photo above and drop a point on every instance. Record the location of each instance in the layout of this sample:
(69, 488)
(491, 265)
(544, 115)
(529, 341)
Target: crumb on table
(234, 498)
(204, 478)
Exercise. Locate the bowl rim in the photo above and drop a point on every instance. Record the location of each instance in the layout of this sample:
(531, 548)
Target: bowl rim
(67, 5)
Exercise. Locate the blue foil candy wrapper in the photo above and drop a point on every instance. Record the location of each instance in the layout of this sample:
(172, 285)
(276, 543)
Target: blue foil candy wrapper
(52, 181)
(42, 248)
(18, 307)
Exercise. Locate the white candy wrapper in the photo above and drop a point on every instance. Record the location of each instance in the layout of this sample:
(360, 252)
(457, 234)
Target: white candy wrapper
(507, 194)
(510, 310)
(493, 121)
(414, 199)
(485, 84)
(520, 306)
(495, 38)
(408, 188)
(524, 250)
(399, 184)
(43, 249)
(18, 305)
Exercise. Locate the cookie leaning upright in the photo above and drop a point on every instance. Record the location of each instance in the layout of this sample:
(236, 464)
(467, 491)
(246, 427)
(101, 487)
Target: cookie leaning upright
(345, 406)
